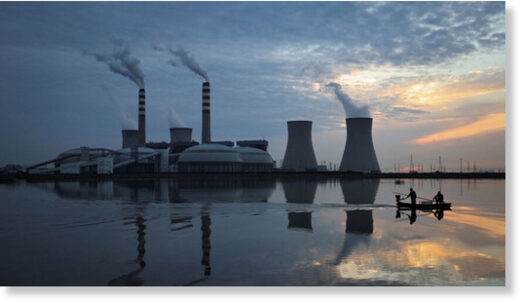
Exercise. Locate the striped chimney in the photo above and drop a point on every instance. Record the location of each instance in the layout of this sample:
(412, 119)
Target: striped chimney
(206, 121)
(142, 118)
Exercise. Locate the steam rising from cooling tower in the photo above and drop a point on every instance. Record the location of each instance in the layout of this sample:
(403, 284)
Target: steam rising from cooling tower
(175, 119)
(351, 109)
(126, 123)
(121, 62)
(299, 154)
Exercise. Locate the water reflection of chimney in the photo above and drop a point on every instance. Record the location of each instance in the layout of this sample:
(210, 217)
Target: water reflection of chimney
(300, 191)
(132, 279)
(206, 243)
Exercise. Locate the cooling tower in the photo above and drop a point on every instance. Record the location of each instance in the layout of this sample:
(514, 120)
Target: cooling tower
(206, 121)
(299, 154)
(180, 134)
(130, 138)
(142, 118)
(359, 154)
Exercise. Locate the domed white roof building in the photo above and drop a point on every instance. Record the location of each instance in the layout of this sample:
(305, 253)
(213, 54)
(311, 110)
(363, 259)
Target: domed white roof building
(210, 158)
(255, 160)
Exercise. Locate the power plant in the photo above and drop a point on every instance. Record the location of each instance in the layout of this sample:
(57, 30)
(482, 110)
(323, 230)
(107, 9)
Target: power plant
(299, 154)
(359, 154)
(185, 155)
(182, 154)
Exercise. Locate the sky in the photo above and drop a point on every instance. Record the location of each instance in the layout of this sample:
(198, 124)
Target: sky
(431, 74)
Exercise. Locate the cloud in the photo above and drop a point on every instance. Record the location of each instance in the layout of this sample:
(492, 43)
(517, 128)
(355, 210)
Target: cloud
(487, 124)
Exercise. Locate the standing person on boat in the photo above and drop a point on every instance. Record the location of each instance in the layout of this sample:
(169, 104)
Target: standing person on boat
(413, 196)
(439, 198)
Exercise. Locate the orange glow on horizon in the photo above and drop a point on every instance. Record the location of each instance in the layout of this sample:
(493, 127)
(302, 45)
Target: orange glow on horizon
(489, 123)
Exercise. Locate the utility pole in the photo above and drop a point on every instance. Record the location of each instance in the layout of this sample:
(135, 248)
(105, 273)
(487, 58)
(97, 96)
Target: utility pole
(411, 163)
(461, 165)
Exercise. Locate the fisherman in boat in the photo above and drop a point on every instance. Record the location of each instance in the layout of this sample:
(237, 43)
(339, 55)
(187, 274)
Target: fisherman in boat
(439, 198)
(413, 197)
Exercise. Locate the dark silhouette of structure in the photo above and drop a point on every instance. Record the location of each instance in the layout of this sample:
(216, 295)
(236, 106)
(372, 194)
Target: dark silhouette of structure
(300, 191)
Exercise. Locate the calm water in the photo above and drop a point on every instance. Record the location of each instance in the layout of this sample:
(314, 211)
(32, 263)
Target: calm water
(249, 232)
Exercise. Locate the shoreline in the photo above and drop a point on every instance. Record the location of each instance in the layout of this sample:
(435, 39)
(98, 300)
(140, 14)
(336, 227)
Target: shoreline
(276, 174)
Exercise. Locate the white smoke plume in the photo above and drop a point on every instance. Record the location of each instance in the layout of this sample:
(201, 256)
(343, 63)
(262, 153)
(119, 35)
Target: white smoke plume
(188, 61)
(175, 119)
(121, 62)
(126, 123)
(351, 109)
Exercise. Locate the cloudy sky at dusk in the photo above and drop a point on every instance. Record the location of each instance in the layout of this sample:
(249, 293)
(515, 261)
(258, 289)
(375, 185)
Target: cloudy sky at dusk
(431, 73)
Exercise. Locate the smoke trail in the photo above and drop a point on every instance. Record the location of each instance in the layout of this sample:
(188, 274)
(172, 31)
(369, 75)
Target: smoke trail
(189, 62)
(175, 119)
(351, 109)
(121, 62)
(126, 123)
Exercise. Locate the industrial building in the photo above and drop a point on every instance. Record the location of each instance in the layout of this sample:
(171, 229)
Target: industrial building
(299, 154)
(209, 158)
(255, 160)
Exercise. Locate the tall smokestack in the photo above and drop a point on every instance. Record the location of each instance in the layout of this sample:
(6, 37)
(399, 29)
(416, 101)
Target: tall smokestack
(206, 122)
(142, 118)
(299, 154)
(359, 154)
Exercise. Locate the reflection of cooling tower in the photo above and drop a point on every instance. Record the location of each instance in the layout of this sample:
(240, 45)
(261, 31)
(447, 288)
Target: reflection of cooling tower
(359, 191)
(300, 221)
(206, 122)
(360, 222)
(142, 119)
(359, 154)
(130, 138)
(300, 190)
(299, 154)
(180, 134)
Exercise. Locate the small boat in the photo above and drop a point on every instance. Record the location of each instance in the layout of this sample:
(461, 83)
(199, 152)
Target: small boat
(427, 205)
